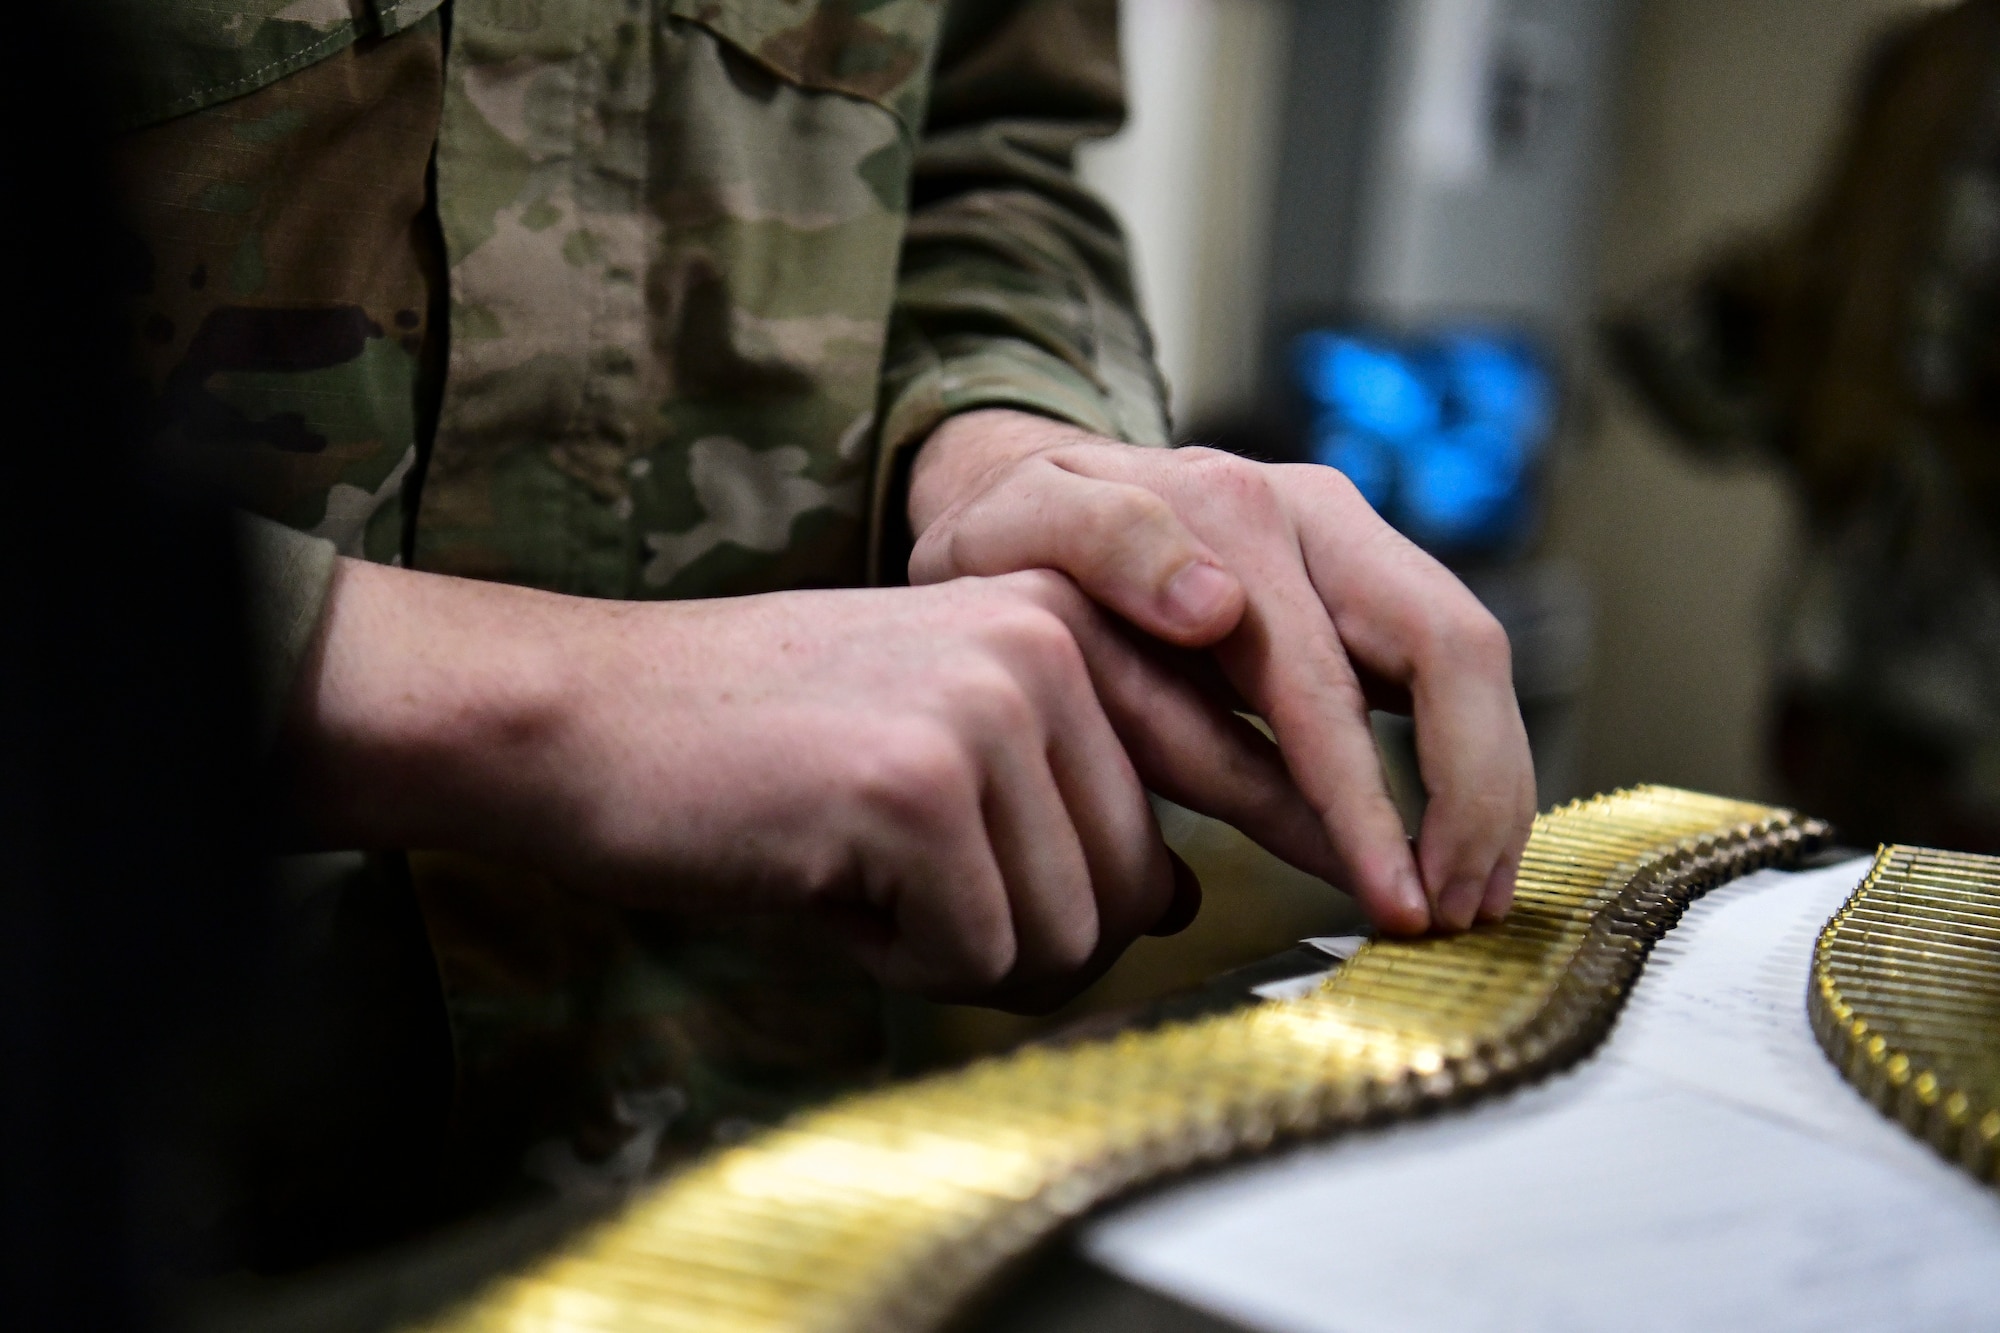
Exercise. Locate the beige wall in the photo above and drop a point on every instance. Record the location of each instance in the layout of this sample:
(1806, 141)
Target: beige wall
(1191, 179)
(1729, 107)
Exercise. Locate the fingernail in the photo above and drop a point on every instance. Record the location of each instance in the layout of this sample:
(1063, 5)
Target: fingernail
(1199, 593)
(1410, 897)
(1499, 894)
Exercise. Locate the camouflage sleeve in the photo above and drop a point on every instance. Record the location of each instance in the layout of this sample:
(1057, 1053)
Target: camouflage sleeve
(288, 573)
(1015, 288)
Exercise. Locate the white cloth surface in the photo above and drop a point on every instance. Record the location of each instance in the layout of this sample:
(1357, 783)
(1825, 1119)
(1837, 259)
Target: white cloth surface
(1707, 1169)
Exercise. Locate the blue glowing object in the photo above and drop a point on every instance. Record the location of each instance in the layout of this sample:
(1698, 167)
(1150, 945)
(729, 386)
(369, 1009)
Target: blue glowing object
(1497, 384)
(1453, 497)
(1442, 435)
(1370, 387)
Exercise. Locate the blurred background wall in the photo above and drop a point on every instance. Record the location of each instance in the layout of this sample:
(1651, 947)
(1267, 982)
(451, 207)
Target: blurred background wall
(1729, 108)
(1192, 178)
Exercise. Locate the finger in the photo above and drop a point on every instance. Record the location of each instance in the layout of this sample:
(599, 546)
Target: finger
(1131, 878)
(1411, 622)
(1472, 753)
(1480, 808)
(1122, 544)
(951, 933)
(1125, 903)
(1045, 996)
(1131, 875)
(923, 902)
(1287, 659)
(1198, 753)
(1042, 861)
(1499, 895)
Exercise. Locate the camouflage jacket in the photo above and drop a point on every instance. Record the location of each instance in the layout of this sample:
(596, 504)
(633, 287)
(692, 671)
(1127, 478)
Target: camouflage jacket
(623, 298)
(1858, 345)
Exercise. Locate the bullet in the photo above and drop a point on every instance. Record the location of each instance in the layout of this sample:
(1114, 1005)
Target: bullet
(1872, 917)
(1975, 888)
(1941, 1048)
(1881, 959)
(1912, 1001)
(1904, 854)
(1885, 961)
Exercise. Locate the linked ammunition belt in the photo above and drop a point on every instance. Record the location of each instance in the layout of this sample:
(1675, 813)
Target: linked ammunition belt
(1905, 997)
(886, 1210)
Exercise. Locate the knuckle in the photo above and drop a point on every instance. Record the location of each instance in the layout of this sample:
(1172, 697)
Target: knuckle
(1202, 455)
(1340, 502)
(918, 774)
(1123, 509)
(970, 538)
(959, 547)
(934, 557)
(1337, 485)
(1483, 814)
(1068, 954)
(1141, 901)
(988, 959)
(1041, 641)
(1037, 591)
(1483, 640)
(1492, 809)
(1074, 942)
(1071, 454)
(1249, 488)
(988, 700)
(1461, 631)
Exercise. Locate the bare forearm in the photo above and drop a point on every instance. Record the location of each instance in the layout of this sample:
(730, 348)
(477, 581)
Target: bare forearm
(430, 710)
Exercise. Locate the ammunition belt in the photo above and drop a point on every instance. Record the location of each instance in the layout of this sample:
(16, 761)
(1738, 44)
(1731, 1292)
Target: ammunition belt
(1905, 997)
(888, 1209)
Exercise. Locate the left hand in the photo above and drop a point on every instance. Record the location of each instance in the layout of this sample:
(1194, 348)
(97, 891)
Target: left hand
(1314, 608)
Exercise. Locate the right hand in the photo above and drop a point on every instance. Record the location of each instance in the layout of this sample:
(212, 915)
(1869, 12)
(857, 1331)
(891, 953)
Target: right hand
(932, 768)
(1304, 600)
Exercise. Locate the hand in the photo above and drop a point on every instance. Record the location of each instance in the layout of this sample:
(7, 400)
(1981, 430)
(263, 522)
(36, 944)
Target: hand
(1315, 610)
(929, 768)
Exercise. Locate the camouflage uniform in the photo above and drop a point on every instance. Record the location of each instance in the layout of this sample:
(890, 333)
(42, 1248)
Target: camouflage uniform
(1860, 347)
(622, 298)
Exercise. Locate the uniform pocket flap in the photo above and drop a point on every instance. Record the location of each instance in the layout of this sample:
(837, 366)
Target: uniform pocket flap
(177, 56)
(874, 49)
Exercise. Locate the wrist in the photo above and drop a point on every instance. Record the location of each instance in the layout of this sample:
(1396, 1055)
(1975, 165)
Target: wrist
(968, 449)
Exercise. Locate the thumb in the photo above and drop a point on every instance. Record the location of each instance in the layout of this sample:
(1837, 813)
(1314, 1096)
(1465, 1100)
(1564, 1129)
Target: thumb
(1122, 544)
